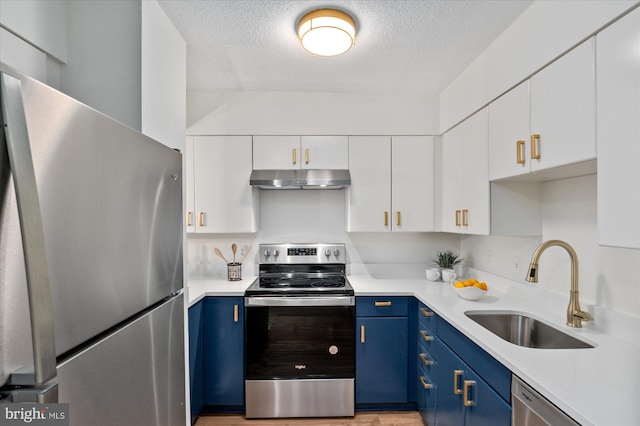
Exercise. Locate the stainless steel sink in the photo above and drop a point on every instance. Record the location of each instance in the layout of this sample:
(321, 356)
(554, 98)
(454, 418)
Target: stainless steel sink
(523, 330)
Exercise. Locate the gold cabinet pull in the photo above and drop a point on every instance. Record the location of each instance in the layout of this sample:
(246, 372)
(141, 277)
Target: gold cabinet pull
(306, 156)
(200, 218)
(425, 312)
(425, 384)
(520, 152)
(465, 217)
(294, 156)
(458, 217)
(386, 218)
(467, 385)
(399, 220)
(456, 379)
(535, 149)
(425, 360)
(379, 304)
(425, 336)
(362, 334)
(188, 218)
(236, 313)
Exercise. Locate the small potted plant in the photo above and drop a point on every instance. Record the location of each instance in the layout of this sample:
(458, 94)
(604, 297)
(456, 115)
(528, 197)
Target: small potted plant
(446, 260)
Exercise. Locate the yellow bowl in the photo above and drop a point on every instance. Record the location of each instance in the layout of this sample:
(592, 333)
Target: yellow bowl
(469, 293)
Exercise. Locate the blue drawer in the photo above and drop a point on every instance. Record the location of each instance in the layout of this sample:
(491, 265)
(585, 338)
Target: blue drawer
(382, 306)
(427, 318)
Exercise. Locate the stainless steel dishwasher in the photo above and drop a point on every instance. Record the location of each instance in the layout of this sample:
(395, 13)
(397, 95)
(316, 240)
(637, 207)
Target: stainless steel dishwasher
(529, 408)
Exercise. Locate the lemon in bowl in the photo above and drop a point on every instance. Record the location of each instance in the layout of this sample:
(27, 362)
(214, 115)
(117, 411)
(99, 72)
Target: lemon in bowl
(470, 289)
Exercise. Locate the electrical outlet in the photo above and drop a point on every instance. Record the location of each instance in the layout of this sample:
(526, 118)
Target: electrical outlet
(515, 261)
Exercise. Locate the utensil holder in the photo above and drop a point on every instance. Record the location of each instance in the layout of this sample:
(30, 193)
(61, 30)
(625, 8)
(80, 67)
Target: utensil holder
(234, 271)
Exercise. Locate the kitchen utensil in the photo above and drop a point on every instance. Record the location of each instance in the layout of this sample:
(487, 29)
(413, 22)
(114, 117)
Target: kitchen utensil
(217, 251)
(234, 248)
(245, 254)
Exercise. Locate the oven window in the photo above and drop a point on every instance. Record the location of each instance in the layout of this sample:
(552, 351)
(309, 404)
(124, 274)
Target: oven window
(300, 342)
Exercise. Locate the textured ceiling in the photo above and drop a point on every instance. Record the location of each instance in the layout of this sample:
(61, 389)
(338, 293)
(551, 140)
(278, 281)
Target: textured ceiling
(401, 45)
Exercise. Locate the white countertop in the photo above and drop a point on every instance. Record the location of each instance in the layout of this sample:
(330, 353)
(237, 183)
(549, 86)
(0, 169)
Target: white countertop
(598, 386)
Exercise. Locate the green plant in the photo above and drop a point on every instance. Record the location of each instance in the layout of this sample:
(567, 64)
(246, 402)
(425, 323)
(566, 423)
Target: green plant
(447, 259)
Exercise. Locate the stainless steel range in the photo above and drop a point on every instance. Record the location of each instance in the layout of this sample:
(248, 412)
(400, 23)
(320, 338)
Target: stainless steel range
(300, 333)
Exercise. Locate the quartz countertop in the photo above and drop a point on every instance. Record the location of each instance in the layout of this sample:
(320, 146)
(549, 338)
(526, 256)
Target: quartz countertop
(595, 386)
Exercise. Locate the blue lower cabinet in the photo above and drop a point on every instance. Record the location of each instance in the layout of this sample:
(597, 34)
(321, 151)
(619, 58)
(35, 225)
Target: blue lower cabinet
(224, 353)
(196, 359)
(382, 360)
(426, 392)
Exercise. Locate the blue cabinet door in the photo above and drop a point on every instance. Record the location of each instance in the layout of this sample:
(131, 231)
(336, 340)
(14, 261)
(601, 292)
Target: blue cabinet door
(382, 360)
(450, 381)
(196, 359)
(224, 351)
(486, 407)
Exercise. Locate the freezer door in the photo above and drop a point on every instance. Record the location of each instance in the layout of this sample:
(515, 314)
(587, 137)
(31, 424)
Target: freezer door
(135, 376)
(111, 202)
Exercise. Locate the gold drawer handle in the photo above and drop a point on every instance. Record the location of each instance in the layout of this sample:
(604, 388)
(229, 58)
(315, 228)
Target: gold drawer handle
(425, 336)
(379, 304)
(465, 217)
(386, 218)
(362, 334)
(188, 218)
(458, 217)
(399, 221)
(294, 156)
(425, 360)
(467, 384)
(520, 152)
(200, 218)
(425, 312)
(425, 384)
(306, 156)
(236, 313)
(456, 379)
(535, 149)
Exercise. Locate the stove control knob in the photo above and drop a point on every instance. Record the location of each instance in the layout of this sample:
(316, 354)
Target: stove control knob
(327, 252)
(336, 253)
(276, 253)
(267, 253)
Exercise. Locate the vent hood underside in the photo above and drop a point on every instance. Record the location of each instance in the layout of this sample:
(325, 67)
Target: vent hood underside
(300, 179)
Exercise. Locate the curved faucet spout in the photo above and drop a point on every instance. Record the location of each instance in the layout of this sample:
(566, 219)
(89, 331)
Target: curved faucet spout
(575, 315)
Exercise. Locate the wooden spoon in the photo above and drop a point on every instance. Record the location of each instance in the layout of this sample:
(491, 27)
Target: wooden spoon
(245, 254)
(234, 248)
(217, 251)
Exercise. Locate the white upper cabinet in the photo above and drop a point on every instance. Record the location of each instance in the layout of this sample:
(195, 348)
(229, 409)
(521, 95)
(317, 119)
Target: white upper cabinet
(391, 184)
(465, 177)
(219, 198)
(295, 152)
(547, 121)
(618, 88)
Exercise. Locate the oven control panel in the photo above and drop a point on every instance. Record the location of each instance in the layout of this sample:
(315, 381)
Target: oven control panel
(302, 253)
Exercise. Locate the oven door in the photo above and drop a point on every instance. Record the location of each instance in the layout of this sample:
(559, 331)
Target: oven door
(304, 337)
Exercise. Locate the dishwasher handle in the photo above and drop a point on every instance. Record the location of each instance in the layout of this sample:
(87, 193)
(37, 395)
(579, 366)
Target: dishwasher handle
(529, 408)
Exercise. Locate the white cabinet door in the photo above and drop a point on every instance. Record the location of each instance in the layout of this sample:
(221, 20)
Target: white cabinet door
(189, 196)
(465, 177)
(224, 200)
(276, 152)
(451, 205)
(412, 177)
(563, 110)
(475, 175)
(509, 142)
(324, 152)
(618, 82)
(369, 196)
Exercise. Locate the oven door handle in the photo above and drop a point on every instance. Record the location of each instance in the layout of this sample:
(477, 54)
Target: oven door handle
(300, 301)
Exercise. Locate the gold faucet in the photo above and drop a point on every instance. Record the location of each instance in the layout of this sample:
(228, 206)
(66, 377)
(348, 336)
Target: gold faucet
(575, 315)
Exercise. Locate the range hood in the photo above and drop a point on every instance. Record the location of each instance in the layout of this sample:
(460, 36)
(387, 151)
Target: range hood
(300, 179)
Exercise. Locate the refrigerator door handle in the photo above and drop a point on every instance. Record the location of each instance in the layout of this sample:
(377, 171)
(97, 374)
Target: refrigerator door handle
(16, 140)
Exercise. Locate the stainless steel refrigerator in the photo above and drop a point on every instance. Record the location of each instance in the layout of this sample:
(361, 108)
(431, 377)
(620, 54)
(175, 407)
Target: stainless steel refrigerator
(91, 297)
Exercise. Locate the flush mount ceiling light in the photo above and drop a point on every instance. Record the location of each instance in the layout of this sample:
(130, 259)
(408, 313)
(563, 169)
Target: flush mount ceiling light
(327, 32)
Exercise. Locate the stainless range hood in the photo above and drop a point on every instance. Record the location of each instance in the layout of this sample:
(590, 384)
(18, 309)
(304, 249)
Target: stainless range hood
(300, 179)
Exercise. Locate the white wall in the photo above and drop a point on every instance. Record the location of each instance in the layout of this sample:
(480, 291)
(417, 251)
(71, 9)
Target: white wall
(164, 78)
(315, 216)
(541, 34)
(311, 113)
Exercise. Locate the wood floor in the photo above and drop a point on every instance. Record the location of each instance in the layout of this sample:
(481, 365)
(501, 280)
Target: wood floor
(387, 418)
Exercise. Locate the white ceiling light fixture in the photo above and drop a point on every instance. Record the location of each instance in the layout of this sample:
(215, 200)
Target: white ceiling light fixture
(327, 32)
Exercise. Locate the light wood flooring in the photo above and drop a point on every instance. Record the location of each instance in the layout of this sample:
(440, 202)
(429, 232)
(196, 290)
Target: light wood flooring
(387, 418)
